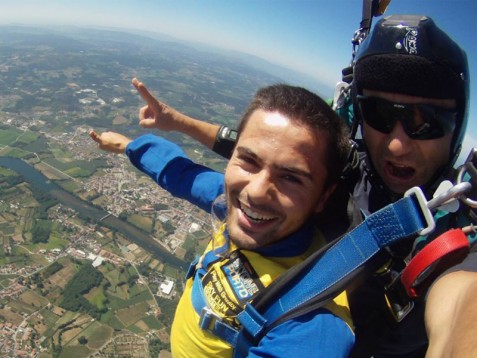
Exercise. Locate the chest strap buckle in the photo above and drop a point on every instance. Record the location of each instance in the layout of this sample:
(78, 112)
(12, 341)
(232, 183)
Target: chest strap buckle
(213, 323)
(208, 318)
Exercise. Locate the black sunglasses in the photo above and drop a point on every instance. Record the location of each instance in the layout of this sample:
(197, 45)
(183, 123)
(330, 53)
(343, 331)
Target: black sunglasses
(420, 121)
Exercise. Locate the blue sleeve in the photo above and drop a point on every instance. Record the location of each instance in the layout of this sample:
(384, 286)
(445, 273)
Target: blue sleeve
(168, 165)
(312, 335)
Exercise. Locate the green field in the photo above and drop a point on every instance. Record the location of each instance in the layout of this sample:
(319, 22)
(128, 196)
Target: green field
(97, 334)
(78, 351)
(142, 222)
(9, 135)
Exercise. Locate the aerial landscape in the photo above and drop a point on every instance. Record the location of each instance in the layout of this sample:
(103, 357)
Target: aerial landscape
(93, 254)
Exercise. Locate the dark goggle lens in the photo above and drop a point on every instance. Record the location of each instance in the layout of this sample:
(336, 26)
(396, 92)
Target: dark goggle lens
(420, 121)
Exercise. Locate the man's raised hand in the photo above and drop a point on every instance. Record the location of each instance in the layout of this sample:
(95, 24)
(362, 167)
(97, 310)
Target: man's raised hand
(156, 114)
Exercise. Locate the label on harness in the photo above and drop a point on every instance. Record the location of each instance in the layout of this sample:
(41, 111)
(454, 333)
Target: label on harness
(240, 277)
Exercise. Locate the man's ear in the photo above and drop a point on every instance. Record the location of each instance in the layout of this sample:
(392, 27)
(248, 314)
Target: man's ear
(324, 198)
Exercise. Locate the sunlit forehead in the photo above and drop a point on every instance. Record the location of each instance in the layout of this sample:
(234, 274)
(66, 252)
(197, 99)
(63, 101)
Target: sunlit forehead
(276, 119)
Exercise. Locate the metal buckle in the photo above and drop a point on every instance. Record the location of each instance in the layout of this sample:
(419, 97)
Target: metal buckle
(421, 199)
(454, 192)
(426, 206)
(471, 160)
(208, 318)
(398, 302)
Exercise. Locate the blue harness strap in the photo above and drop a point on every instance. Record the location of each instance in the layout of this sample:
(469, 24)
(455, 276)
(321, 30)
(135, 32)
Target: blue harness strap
(208, 319)
(399, 220)
(394, 222)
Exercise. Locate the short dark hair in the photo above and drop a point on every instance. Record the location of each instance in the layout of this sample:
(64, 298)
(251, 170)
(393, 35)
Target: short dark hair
(303, 106)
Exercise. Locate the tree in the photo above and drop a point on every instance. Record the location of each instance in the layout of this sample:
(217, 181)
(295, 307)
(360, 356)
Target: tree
(82, 340)
(41, 231)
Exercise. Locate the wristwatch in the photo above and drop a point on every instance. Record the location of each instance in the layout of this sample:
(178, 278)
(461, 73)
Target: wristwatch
(225, 141)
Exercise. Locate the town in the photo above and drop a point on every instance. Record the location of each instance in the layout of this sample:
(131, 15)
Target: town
(117, 188)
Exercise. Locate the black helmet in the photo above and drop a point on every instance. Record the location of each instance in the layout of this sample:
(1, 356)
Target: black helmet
(409, 54)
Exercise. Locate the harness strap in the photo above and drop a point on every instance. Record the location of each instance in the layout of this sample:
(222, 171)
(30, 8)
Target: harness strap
(209, 320)
(209, 258)
(394, 222)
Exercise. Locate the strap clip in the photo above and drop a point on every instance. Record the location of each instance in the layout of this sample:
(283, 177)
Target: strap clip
(425, 210)
(469, 167)
(211, 322)
(398, 302)
(208, 318)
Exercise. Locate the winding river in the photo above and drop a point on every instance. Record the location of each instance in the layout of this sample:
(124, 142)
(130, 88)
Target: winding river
(86, 210)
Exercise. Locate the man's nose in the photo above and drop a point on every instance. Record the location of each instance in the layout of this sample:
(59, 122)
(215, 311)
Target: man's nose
(261, 186)
(399, 143)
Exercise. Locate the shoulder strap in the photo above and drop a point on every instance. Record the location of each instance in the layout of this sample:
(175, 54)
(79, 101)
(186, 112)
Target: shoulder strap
(323, 275)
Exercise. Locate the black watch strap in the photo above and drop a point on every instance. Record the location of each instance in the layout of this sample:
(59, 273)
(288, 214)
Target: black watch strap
(225, 142)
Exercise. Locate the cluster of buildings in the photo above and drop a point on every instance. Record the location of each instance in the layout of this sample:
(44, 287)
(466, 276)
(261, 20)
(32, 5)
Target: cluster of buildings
(123, 189)
(15, 341)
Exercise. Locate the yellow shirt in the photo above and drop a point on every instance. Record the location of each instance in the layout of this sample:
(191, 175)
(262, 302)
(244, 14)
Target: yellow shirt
(228, 285)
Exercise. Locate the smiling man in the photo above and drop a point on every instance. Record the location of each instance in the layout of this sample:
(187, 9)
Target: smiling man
(290, 151)
(273, 188)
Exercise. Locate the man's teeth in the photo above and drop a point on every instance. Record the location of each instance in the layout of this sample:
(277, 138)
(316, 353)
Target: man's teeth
(255, 216)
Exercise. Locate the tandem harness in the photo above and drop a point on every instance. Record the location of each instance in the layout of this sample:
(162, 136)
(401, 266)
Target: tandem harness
(312, 283)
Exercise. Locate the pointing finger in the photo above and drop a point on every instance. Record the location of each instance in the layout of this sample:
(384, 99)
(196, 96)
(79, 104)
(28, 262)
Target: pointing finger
(94, 136)
(143, 91)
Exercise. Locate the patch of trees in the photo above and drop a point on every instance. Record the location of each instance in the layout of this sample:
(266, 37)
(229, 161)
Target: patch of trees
(168, 308)
(144, 269)
(46, 201)
(55, 349)
(81, 283)
(52, 269)
(168, 228)
(13, 180)
(36, 280)
(156, 346)
(132, 280)
(41, 231)
(159, 207)
(123, 216)
(66, 324)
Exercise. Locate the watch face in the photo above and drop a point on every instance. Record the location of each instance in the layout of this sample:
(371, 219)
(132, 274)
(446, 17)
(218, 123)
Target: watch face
(232, 135)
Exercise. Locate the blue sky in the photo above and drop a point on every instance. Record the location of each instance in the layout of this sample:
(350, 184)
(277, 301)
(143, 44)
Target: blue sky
(313, 36)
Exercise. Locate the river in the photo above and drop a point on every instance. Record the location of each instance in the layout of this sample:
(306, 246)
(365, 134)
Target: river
(86, 210)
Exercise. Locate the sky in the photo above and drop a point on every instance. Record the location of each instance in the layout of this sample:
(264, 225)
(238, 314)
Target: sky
(311, 36)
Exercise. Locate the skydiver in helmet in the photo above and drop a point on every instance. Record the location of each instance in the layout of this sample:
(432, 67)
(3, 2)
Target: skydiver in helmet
(409, 97)
(410, 94)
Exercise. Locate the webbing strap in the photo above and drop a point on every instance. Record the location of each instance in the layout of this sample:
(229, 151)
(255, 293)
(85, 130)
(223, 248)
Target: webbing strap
(399, 220)
(208, 319)
(209, 258)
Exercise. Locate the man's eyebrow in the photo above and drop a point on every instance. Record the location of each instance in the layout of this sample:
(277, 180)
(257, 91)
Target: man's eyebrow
(296, 171)
(246, 151)
(289, 169)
